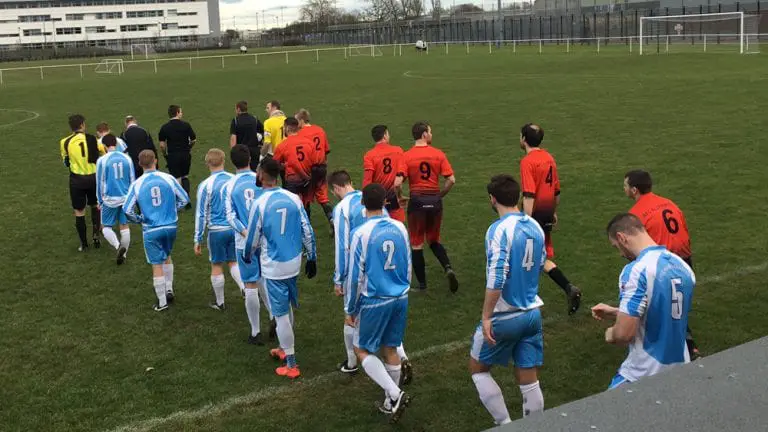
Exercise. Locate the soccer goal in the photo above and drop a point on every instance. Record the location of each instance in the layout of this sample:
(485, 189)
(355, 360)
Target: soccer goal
(724, 32)
(110, 66)
(364, 51)
(145, 51)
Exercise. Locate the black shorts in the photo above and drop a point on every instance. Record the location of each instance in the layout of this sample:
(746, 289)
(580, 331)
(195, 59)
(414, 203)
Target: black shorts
(689, 261)
(82, 190)
(179, 164)
(255, 154)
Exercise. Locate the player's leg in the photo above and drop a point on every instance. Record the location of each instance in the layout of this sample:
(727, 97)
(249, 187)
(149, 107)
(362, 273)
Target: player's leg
(321, 196)
(550, 268)
(481, 357)
(529, 357)
(125, 237)
(217, 283)
(282, 294)
(250, 275)
(220, 251)
(90, 195)
(407, 368)
(78, 198)
(155, 254)
(434, 222)
(169, 238)
(350, 366)
(108, 220)
(397, 214)
(416, 232)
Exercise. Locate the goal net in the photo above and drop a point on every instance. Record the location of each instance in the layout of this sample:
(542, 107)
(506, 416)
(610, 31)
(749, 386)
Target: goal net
(364, 51)
(724, 32)
(142, 51)
(110, 66)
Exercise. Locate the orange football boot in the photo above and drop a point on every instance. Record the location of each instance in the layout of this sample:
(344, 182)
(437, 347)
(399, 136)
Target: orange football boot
(290, 372)
(277, 354)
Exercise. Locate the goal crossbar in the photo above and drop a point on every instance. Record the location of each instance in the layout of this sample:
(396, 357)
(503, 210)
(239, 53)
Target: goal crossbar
(697, 18)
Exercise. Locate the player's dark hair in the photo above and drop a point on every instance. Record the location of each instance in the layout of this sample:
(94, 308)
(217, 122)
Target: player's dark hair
(275, 104)
(270, 168)
(76, 121)
(173, 111)
(374, 196)
(109, 140)
(419, 129)
(291, 125)
(532, 134)
(242, 106)
(339, 178)
(639, 179)
(505, 189)
(625, 223)
(378, 132)
(240, 156)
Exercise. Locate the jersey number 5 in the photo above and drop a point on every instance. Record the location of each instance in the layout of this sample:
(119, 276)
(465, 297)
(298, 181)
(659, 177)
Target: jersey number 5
(389, 249)
(677, 299)
(673, 226)
(299, 153)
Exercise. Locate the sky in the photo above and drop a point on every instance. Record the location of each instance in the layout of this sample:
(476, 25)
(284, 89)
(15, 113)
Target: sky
(244, 14)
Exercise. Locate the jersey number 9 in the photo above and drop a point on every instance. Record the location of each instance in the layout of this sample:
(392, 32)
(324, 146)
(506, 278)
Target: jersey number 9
(157, 197)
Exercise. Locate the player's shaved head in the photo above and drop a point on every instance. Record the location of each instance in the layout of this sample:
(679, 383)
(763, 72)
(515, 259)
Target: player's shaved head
(374, 196)
(339, 178)
(214, 157)
(378, 132)
(147, 159)
(505, 189)
(129, 119)
(109, 140)
(269, 170)
(303, 116)
(291, 126)
(240, 156)
(625, 223)
(76, 121)
(532, 134)
(639, 179)
(419, 129)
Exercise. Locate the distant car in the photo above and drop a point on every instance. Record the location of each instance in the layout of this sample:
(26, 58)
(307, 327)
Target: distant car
(243, 49)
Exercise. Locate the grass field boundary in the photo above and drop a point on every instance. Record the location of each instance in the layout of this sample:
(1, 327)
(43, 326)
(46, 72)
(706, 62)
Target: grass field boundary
(34, 115)
(397, 49)
(277, 390)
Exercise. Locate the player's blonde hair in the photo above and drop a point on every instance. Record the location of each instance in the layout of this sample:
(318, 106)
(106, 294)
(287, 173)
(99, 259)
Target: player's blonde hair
(147, 159)
(303, 116)
(215, 157)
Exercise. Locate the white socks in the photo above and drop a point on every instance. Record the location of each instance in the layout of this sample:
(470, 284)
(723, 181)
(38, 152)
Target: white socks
(125, 238)
(252, 309)
(533, 399)
(393, 371)
(265, 297)
(110, 237)
(218, 288)
(349, 334)
(401, 353)
(168, 272)
(159, 284)
(378, 373)
(285, 334)
(491, 397)
(235, 272)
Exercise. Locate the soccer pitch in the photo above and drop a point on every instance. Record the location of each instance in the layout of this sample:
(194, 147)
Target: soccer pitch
(78, 333)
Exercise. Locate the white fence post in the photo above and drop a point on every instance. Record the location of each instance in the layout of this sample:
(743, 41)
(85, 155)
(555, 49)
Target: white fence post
(255, 59)
(598, 45)
(490, 48)
(81, 71)
(155, 65)
(630, 45)
(446, 47)
(400, 49)
(1, 77)
(705, 43)
(222, 62)
(666, 48)
(190, 63)
(317, 55)
(539, 46)
(286, 57)
(514, 47)
(568, 45)
(467, 47)
(41, 73)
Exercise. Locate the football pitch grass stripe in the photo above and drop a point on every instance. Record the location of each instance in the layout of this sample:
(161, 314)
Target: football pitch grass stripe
(214, 409)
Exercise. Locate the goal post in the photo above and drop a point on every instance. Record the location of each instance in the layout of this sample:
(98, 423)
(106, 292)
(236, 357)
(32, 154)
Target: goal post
(732, 31)
(364, 51)
(110, 66)
(145, 51)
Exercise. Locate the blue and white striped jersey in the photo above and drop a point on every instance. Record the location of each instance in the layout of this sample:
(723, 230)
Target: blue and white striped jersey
(114, 174)
(515, 253)
(210, 209)
(379, 262)
(121, 145)
(657, 287)
(348, 214)
(279, 226)
(159, 196)
(239, 194)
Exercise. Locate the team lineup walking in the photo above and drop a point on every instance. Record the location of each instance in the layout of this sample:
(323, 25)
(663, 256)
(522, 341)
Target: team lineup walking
(255, 224)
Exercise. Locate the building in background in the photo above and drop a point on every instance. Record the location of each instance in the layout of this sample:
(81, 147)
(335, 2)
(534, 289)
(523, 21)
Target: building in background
(64, 23)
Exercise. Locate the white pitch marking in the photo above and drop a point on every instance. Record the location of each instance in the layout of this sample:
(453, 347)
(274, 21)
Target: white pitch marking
(33, 116)
(215, 409)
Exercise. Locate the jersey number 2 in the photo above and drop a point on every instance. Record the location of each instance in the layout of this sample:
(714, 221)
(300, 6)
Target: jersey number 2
(317, 143)
(677, 299)
(389, 249)
(528, 255)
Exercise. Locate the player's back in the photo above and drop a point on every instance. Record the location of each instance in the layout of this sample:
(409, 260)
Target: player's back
(114, 175)
(425, 165)
(210, 195)
(156, 195)
(515, 256)
(297, 153)
(383, 163)
(273, 130)
(540, 180)
(239, 194)
(319, 139)
(664, 222)
(281, 216)
(384, 251)
(657, 288)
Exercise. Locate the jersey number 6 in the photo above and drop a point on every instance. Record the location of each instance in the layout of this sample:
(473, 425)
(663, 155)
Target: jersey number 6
(673, 226)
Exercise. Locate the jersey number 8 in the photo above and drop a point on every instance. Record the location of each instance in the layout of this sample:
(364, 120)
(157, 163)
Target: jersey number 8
(249, 195)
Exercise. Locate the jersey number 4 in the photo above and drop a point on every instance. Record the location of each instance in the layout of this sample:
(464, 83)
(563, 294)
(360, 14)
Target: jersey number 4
(528, 255)
(549, 179)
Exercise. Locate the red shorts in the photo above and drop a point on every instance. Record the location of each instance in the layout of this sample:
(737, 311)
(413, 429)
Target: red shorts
(423, 224)
(548, 245)
(397, 214)
(321, 192)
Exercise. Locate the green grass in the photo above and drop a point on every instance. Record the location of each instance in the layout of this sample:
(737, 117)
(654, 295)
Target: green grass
(78, 332)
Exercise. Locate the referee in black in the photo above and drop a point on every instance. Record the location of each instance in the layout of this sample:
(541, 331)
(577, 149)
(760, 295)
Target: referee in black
(247, 130)
(176, 141)
(136, 139)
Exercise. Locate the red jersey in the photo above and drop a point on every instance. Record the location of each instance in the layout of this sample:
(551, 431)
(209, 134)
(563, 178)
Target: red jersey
(424, 166)
(317, 135)
(297, 153)
(382, 164)
(538, 175)
(664, 222)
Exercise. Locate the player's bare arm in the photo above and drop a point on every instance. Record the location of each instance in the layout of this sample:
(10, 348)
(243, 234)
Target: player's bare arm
(447, 185)
(491, 298)
(232, 141)
(623, 331)
(528, 203)
(164, 148)
(603, 311)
